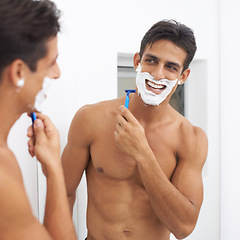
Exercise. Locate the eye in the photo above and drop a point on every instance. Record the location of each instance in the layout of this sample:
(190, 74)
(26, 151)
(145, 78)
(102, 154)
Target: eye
(172, 68)
(149, 60)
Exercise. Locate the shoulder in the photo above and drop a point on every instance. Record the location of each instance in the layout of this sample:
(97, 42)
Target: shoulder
(89, 118)
(192, 134)
(188, 135)
(97, 110)
(193, 141)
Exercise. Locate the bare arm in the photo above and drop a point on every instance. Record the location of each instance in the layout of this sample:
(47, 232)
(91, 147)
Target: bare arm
(177, 203)
(57, 218)
(76, 154)
(16, 218)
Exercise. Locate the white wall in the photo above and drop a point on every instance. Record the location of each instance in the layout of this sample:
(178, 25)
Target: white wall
(230, 118)
(93, 33)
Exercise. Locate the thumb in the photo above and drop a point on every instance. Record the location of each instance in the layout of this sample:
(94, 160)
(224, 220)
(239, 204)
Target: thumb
(38, 127)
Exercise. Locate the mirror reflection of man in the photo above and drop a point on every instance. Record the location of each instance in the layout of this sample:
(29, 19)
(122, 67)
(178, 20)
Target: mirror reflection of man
(28, 53)
(143, 164)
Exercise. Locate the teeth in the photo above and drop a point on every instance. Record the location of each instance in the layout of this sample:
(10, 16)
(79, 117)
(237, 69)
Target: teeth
(151, 84)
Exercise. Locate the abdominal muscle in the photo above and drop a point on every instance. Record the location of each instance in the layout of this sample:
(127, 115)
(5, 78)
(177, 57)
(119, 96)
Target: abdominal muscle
(120, 209)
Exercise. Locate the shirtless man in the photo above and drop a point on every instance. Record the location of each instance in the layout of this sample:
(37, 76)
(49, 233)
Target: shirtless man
(28, 53)
(143, 164)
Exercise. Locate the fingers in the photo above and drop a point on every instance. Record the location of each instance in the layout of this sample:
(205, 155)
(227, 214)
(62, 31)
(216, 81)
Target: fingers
(48, 125)
(122, 126)
(44, 138)
(30, 132)
(31, 148)
(46, 121)
(125, 117)
(31, 141)
(50, 129)
(121, 120)
(115, 134)
(127, 114)
(38, 127)
(34, 131)
(31, 144)
(124, 120)
(118, 127)
(44, 118)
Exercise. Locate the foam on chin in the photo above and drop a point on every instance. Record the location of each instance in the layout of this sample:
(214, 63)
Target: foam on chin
(41, 96)
(147, 96)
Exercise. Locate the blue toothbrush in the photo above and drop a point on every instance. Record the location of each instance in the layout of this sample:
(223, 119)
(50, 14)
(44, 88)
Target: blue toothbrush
(127, 96)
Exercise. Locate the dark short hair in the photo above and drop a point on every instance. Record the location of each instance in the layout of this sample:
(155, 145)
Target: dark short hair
(175, 32)
(25, 27)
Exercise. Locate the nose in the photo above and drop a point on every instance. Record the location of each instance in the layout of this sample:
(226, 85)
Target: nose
(56, 73)
(158, 74)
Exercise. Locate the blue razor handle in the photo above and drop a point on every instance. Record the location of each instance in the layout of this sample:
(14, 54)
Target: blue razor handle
(127, 96)
(33, 116)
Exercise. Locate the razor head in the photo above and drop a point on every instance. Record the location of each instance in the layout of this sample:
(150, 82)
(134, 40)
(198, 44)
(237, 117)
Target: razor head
(128, 91)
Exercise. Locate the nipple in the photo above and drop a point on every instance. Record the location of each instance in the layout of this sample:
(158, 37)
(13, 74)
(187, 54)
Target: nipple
(100, 170)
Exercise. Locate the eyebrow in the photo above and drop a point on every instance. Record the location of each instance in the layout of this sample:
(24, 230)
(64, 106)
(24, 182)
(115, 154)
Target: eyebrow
(158, 59)
(152, 56)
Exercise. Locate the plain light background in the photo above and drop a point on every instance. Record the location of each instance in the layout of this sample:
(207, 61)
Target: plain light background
(93, 33)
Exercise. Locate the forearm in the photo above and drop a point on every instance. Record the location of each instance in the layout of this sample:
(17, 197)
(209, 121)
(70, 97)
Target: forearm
(58, 219)
(172, 208)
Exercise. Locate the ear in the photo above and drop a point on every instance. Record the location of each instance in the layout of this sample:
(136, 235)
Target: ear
(136, 60)
(184, 76)
(16, 72)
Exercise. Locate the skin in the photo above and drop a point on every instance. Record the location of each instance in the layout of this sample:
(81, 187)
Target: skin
(143, 164)
(16, 218)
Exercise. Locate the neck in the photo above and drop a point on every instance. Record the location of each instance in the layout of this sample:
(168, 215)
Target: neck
(146, 113)
(10, 112)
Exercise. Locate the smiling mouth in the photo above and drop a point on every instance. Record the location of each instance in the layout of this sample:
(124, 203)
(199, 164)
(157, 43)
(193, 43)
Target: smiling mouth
(154, 86)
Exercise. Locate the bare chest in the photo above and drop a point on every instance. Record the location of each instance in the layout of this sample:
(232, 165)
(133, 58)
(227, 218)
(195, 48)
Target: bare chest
(108, 160)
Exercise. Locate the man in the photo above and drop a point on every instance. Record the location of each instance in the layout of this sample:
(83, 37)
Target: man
(28, 53)
(143, 164)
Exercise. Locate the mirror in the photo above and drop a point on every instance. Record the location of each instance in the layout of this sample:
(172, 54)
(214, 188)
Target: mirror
(93, 34)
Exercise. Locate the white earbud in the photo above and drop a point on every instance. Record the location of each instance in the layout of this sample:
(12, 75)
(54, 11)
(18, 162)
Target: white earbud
(20, 83)
(179, 82)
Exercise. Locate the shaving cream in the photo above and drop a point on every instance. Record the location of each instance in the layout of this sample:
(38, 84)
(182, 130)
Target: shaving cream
(41, 96)
(147, 96)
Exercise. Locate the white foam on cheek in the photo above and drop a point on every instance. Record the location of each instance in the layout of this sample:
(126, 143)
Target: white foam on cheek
(41, 96)
(147, 96)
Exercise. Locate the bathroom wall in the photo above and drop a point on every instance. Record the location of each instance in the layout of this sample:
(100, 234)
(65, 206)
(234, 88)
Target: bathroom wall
(230, 118)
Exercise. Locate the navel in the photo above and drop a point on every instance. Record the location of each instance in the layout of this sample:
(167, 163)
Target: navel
(127, 232)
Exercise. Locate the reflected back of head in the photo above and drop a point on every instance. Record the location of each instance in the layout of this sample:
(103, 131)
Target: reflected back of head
(25, 27)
